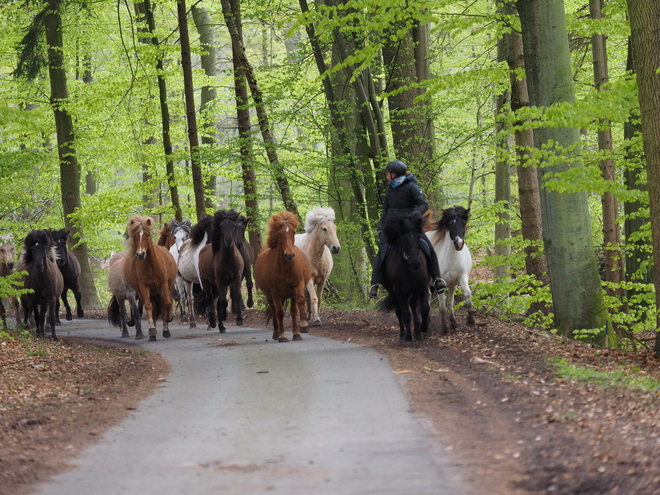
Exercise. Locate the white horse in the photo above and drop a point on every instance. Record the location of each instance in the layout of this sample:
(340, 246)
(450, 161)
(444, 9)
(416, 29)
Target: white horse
(319, 243)
(188, 262)
(180, 231)
(454, 260)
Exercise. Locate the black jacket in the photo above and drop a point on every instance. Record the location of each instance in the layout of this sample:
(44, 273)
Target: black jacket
(406, 196)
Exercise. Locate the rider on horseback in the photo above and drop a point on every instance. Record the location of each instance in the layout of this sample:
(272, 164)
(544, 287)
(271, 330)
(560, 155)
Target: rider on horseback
(403, 194)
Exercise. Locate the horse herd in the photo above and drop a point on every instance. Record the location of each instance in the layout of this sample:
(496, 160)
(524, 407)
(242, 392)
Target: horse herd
(198, 266)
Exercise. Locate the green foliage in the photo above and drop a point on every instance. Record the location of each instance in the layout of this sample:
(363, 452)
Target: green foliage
(622, 378)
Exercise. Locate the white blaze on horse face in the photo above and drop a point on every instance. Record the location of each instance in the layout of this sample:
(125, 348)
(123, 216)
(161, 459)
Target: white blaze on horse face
(139, 251)
(458, 242)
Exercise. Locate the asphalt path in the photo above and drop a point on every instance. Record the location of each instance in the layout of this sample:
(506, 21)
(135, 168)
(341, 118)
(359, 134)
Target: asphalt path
(242, 414)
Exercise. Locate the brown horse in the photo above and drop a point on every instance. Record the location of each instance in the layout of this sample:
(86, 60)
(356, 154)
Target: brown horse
(150, 270)
(43, 277)
(7, 254)
(281, 272)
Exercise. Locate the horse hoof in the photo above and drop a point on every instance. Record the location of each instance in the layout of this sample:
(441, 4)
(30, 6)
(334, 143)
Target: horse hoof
(317, 323)
(152, 338)
(222, 330)
(304, 329)
(58, 323)
(139, 336)
(282, 339)
(239, 323)
(297, 337)
(81, 314)
(193, 325)
(124, 335)
(166, 334)
(69, 317)
(276, 335)
(250, 303)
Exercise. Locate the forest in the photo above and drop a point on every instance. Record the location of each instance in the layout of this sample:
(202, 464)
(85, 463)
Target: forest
(538, 116)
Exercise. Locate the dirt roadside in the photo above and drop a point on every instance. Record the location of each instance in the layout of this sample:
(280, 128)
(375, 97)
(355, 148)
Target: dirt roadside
(488, 392)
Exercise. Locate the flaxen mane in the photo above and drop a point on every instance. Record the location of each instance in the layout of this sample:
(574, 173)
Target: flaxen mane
(317, 216)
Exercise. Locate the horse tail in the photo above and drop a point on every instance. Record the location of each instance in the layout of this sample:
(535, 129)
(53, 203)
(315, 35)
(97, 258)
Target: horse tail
(201, 303)
(113, 313)
(387, 304)
(157, 305)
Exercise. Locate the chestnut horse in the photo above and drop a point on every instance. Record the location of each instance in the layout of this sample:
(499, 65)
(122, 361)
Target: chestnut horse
(319, 243)
(7, 254)
(282, 272)
(43, 278)
(70, 268)
(221, 267)
(150, 270)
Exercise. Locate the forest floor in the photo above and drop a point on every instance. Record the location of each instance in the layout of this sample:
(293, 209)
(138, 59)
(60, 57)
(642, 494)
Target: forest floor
(491, 393)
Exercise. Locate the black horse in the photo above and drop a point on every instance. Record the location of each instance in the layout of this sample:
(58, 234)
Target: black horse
(405, 275)
(43, 278)
(70, 269)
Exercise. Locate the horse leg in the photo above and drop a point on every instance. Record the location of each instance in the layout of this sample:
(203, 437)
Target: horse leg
(80, 313)
(210, 305)
(319, 295)
(135, 312)
(442, 302)
(467, 294)
(3, 312)
(57, 312)
(222, 308)
(235, 294)
(52, 315)
(298, 306)
(424, 309)
(65, 300)
(191, 304)
(278, 321)
(247, 274)
(399, 317)
(416, 317)
(17, 310)
(406, 318)
(122, 319)
(450, 308)
(313, 304)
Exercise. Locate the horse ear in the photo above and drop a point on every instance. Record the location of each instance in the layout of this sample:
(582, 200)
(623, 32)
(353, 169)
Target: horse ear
(149, 222)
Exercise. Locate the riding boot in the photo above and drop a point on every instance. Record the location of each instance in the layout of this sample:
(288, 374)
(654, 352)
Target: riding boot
(434, 269)
(375, 274)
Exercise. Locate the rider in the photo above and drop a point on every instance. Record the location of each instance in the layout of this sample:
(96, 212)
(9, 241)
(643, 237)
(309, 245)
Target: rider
(403, 193)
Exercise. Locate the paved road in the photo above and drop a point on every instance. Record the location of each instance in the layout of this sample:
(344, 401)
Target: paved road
(254, 416)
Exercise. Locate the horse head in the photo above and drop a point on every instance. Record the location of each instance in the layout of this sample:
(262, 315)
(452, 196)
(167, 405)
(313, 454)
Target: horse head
(454, 220)
(225, 229)
(281, 233)
(7, 254)
(323, 219)
(38, 248)
(139, 235)
(180, 231)
(404, 232)
(59, 238)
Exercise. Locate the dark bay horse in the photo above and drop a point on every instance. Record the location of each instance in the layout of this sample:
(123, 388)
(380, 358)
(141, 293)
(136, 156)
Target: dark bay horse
(150, 270)
(43, 278)
(405, 275)
(70, 268)
(454, 260)
(7, 255)
(221, 268)
(281, 272)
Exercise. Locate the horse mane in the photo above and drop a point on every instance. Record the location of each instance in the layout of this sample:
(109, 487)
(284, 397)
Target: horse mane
(318, 215)
(203, 226)
(218, 217)
(396, 221)
(137, 223)
(35, 237)
(165, 232)
(175, 226)
(285, 219)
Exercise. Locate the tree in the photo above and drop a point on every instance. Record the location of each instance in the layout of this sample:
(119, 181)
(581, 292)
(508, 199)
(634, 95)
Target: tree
(576, 293)
(645, 39)
(49, 22)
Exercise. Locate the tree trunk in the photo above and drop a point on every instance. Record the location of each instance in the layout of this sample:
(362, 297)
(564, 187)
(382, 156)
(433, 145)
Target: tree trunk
(574, 282)
(611, 235)
(69, 170)
(231, 10)
(209, 59)
(245, 139)
(644, 18)
(191, 111)
(165, 115)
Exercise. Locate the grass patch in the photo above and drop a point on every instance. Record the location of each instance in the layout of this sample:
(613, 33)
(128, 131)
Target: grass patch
(621, 378)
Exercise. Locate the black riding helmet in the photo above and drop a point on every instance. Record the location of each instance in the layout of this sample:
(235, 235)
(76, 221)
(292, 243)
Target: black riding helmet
(397, 167)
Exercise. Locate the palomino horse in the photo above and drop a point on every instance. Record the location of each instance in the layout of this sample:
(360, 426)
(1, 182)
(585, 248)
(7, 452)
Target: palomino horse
(188, 262)
(405, 275)
(7, 254)
(319, 243)
(70, 268)
(282, 272)
(150, 270)
(454, 260)
(43, 277)
(221, 267)
(121, 292)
